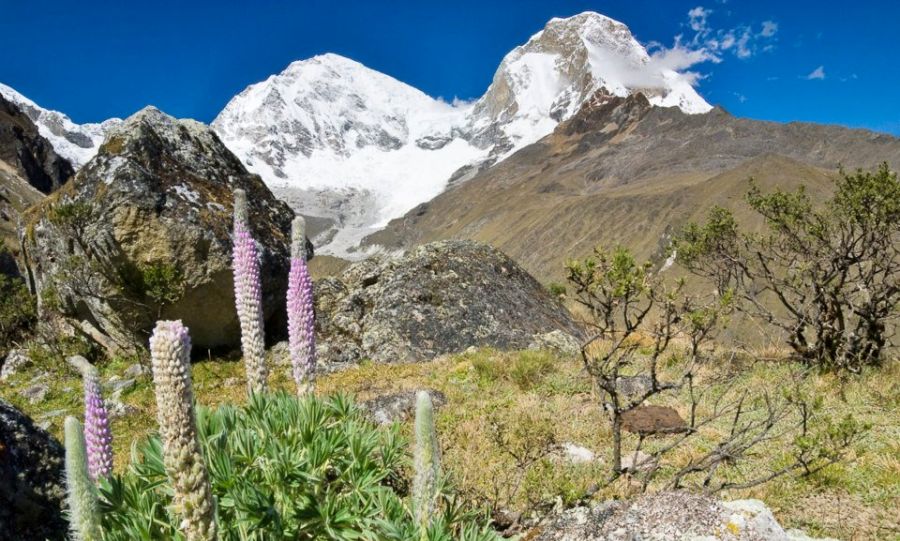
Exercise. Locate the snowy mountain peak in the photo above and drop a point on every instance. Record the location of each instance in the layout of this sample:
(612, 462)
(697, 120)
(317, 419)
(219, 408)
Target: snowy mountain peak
(77, 143)
(546, 80)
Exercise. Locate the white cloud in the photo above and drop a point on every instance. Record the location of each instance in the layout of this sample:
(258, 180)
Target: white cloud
(698, 18)
(816, 74)
(769, 28)
(740, 97)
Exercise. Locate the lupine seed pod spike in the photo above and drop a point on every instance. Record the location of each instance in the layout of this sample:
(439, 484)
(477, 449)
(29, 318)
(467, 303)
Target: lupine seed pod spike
(426, 461)
(84, 514)
(170, 347)
(298, 238)
(97, 433)
(248, 296)
(301, 313)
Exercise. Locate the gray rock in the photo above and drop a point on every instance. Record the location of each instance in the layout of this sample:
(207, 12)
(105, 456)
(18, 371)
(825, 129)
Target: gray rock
(440, 298)
(557, 341)
(15, 360)
(398, 407)
(158, 192)
(667, 516)
(79, 363)
(117, 408)
(638, 461)
(117, 385)
(135, 371)
(32, 489)
(35, 393)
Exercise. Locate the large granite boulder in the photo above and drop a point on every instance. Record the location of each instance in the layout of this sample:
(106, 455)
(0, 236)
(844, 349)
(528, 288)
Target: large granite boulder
(668, 516)
(440, 298)
(32, 486)
(143, 232)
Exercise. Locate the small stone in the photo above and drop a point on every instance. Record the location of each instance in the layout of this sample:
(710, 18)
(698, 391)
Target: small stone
(117, 408)
(557, 341)
(79, 363)
(638, 461)
(135, 370)
(577, 454)
(15, 360)
(389, 408)
(117, 385)
(653, 420)
(36, 393)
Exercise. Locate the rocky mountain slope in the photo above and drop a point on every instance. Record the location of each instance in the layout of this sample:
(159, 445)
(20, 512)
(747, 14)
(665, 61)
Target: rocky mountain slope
(143, 232)
(622, 171)
(31, 155)
(77, 143)
(356, 148)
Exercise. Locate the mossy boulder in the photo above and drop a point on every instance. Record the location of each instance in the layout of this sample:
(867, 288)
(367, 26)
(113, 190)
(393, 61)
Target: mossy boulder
(143, 232)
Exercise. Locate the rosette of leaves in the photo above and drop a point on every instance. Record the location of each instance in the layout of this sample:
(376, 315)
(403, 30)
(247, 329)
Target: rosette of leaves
(287, 468)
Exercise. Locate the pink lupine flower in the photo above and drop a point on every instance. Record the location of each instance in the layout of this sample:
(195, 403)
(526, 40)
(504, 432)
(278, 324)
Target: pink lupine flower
(97, 435)
(301, 316)
(248, 296)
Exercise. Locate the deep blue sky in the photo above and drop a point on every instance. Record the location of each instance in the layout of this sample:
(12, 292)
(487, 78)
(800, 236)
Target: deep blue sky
(94, 60)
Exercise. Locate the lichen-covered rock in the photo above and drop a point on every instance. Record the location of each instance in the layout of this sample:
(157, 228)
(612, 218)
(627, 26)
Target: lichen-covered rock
(32, 489)
(668, 516)
(143, 232)
(440, 298)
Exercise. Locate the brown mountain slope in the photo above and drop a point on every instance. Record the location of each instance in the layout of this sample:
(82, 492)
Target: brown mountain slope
(622, 172)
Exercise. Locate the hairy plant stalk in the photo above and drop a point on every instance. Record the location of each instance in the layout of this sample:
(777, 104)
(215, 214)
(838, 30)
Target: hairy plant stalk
(97, 433)
(170, 347)
(84, 514)
(248, 296)
(426, 461)
(301, 316)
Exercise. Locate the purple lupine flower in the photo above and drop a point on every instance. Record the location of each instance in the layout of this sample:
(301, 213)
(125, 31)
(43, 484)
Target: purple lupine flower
(248, 296)
(97, 435)
(301, 317)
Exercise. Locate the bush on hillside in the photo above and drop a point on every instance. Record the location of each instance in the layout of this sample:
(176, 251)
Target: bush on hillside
(827, 276)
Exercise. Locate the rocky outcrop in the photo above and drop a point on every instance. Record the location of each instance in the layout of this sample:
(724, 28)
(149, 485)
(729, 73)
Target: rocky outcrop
(143, 232)
(24, 149)
(440, 298)
(32, 489)
(668, 516)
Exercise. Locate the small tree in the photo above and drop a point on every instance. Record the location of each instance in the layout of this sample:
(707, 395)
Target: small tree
(828, 276)
(636, 321)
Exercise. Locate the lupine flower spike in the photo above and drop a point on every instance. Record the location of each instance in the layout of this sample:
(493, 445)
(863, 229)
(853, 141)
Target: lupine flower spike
(248, 296)
(301, 316)
(170, 348)
(97, 434)
(84, 514)
(426, 462)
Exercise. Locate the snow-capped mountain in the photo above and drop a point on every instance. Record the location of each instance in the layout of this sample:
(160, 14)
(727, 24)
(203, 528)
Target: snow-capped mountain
(77, 143)
(356, 147)
(362, 146)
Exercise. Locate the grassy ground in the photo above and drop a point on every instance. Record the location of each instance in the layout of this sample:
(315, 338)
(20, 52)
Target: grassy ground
(506, 405)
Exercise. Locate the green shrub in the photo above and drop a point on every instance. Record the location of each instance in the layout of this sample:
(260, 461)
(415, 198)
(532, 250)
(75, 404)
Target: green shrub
(17, 311)
(286, 468)
(556, 289)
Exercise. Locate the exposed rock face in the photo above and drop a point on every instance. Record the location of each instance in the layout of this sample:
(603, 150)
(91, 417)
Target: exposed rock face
(77, 143)
(32, 156)
(440, 298)
(150, 217)
(397, 407)
(32, 488)
(666, 517)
